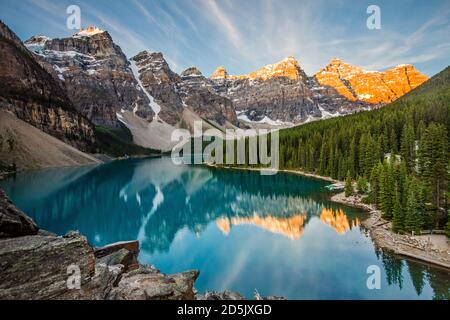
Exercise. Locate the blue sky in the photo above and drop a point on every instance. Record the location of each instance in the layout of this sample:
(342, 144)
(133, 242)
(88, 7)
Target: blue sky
(243, 35)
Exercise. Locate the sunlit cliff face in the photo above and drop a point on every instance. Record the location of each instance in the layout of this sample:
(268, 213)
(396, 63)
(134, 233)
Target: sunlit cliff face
(374, 87)
(338, 220)
(287, 68)
(89, 31)
(291, 227)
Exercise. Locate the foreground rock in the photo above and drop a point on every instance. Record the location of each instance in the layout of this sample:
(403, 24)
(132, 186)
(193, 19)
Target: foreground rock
(147, 283)
(124, 253)
(35, 264)
(36, 267)
(14, 223)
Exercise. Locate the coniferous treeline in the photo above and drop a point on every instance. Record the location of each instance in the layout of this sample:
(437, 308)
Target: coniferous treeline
(399, 154)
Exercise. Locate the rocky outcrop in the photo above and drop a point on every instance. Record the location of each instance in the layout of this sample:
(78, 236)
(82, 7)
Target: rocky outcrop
(40, 265)
(161, 83)
(14, 223)
(198, 93)
(124, 253)
(225, 295)
(36, 267)
(147, 283)
(373, 87)
(95, 73)
(282, 92)
(30, 92)
(174, 93)
(278, 93)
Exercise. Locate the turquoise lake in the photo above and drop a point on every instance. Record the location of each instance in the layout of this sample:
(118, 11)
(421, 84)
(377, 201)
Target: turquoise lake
(277, 235)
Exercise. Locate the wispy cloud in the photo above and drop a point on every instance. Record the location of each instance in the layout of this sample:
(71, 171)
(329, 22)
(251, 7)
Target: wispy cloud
(245, 35)
(220, 19)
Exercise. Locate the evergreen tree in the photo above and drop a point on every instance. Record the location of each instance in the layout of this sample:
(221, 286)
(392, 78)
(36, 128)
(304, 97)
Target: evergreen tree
(357, 143)
(393, 142)
(398, 216)
(413, 221)
(352, 160)
(348, 185)
(447, 226)
(375, 184)
(387, 186)
(407, 147)
(361, 185)
(402, 183)
(433, 161)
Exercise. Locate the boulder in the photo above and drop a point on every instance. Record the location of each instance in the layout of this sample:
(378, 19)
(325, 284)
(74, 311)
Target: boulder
(125, 253)
(36, 267)
(13, 222)
(225, 295)
(99, 286)
(147, 283)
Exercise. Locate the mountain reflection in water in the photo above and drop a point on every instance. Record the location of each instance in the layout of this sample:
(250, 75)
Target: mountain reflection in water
(279, 234)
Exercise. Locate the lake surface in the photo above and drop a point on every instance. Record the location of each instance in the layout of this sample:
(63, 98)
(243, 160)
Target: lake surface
(279, 235)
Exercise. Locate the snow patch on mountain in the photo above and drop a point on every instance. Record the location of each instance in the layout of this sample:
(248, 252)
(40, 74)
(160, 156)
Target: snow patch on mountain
(155, 106)
(266, 120)
(155, 135)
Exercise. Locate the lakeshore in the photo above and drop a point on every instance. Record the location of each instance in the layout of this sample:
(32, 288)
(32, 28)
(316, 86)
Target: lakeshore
(431, 249)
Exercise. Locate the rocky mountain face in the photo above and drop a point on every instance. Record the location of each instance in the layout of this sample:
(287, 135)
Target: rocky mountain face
(277, 93)
(152, 100)
(371, 87)
(174, 93)
(95, 73)
(197, 92)
(30, 92)
(161, 83)
(282, 92)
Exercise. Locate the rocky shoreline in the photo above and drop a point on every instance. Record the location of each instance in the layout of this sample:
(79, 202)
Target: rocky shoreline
(38, 265)
(415, 247)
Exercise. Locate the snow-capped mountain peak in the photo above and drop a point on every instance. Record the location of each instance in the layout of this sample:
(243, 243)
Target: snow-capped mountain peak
(288, 68)
(89, 32)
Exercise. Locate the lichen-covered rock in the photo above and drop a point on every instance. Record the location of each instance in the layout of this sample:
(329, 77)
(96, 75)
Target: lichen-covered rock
(13, 222)
(225, 295)
(147, 283)
(98, 287)
(36, 267)
(124, 253)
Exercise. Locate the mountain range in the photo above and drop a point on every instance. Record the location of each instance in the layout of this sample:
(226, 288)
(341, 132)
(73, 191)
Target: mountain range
(77, 84)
